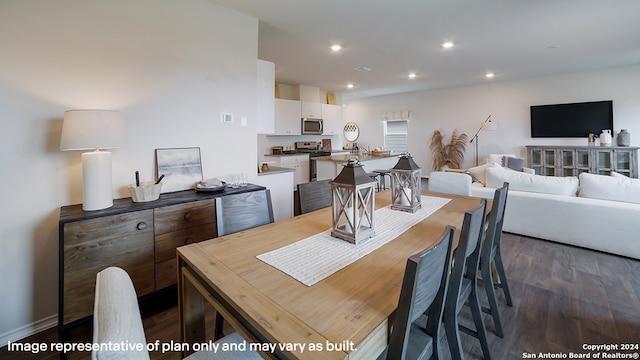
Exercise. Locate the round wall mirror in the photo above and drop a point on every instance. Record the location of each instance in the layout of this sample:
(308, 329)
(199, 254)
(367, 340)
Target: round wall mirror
(351, 131)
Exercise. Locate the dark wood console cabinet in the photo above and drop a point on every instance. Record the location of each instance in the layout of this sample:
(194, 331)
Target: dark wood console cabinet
(138, 237)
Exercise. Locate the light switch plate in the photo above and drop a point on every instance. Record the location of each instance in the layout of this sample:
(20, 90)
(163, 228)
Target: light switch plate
(226, 118)
(243, 121)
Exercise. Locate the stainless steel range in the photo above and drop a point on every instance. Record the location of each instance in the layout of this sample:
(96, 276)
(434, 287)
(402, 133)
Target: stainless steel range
(313, 149)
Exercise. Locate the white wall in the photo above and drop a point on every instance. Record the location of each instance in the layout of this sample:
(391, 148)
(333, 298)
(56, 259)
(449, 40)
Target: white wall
(171, 66)
(465, 108)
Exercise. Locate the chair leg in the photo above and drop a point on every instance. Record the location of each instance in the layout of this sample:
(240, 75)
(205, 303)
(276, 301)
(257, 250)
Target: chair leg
(452, 333)
(487, 279)
(479, 323)
(504, 285)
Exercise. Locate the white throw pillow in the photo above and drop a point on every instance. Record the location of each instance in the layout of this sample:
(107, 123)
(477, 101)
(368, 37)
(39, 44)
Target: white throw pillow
(479, 173)
(615, 188)
(618, 175)
(496, 176)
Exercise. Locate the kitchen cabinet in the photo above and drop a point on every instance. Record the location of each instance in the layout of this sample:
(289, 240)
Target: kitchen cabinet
(141, 238)
(332, 116)
(265, 101)
(280, 182)
(287, 117)
(299, 163)
(573, 160)
(310, 110)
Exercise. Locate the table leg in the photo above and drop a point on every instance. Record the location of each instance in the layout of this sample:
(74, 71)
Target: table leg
(191, 309)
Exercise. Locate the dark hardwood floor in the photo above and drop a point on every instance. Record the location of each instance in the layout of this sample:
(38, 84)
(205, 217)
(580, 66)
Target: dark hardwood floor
(564, 297)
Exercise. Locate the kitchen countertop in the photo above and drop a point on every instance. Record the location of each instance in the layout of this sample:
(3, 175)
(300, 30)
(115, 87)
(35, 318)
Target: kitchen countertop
(275, 170)
(292, 154)
(346, 157)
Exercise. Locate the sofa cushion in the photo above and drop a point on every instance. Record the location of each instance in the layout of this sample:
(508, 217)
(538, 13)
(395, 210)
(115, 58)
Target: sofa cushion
(618, 175)
(499, 158)
(514, 163)
(613, 188)
(496, 176)
(479, 173)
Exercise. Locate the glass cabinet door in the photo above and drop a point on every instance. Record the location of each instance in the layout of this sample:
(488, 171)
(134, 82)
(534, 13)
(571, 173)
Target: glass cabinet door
(604, 162)
(582, 161)
(568, 162)
(549, 166)
(535, 160)
(622, 161)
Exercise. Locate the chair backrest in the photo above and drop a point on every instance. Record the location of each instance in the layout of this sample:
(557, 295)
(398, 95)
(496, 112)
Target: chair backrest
(467, 256)
(424, 286)
(243, 211)
(314, 195)
(116, 316)
(494, 224)
(450, 183)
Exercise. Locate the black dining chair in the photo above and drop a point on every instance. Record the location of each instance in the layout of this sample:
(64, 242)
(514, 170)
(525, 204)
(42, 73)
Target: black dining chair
(463, 284)
(314, 195)
(243, 211)
(490, 256)
(424, 287)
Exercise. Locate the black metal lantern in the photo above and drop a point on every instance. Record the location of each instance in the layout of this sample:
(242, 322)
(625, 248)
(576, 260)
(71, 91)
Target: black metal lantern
(406, 185)
(353, 203)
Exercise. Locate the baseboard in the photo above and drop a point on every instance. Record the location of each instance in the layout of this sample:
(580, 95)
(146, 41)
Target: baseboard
(28, 330)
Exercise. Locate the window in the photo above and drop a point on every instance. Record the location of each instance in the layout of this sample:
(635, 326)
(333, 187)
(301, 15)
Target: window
(396, 135)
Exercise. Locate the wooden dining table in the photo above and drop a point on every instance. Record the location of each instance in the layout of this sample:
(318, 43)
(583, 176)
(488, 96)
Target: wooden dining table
(344, 316)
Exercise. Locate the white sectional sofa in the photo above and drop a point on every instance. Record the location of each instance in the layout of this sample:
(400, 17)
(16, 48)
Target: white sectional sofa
(595, 211)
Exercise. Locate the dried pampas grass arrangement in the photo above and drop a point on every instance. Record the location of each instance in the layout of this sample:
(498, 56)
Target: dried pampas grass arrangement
(448, 155)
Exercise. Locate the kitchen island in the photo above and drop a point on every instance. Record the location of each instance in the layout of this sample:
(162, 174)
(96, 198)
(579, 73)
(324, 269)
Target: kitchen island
(330, 166)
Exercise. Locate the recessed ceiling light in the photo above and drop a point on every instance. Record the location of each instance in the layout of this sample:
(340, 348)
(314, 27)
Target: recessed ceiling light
(350, 86)
(336, 47)
(412, 75)
(363, 69)
(490, 75)
(447, 44)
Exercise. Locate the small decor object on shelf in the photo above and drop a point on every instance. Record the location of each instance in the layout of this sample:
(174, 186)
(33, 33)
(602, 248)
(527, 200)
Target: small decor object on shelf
(624, 138)
(406, 185)
(353, 193)
(145, 192)
(592, 139)
(605, 138)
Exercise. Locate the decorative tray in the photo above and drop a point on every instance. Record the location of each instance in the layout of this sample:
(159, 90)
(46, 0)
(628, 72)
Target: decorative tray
(202, 187)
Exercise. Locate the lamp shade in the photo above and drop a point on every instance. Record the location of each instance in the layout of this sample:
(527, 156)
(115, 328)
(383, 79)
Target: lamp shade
(93, 129)
(489, 125)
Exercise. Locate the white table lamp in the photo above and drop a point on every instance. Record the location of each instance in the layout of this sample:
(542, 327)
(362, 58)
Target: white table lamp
(94, 130)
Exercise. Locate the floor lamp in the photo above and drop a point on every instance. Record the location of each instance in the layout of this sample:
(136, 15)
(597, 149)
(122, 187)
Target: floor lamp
(94, 130)
(487, 125)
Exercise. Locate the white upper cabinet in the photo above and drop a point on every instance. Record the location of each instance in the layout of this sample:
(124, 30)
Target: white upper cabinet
(265, 102)
(332, 116)
(311, 110)
(288, 120)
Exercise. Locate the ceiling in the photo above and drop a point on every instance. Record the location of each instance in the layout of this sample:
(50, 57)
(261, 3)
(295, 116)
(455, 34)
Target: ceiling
(513, 39)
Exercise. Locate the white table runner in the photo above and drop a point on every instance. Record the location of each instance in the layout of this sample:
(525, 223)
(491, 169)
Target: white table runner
(312, 259)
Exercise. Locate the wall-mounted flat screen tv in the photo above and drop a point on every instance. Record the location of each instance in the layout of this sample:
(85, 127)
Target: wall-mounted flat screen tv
(571, 120)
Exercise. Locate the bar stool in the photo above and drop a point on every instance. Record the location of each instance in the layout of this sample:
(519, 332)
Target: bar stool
(382, 174)
(374, 176)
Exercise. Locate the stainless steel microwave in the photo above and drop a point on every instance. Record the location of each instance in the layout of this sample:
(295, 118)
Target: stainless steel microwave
(311, 126)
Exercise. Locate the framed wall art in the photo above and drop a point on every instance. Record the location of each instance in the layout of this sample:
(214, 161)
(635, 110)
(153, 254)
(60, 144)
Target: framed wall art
(182, 168)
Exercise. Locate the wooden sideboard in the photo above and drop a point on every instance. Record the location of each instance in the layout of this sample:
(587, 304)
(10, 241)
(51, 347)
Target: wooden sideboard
(573, 160)
(138, 237)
